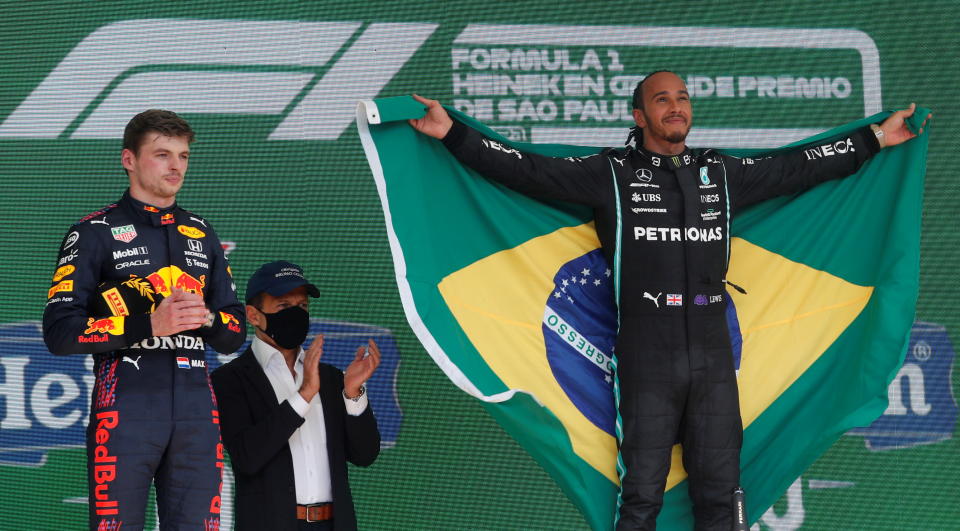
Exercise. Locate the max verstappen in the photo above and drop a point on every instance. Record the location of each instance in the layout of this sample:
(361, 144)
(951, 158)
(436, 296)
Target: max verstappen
(144, 285)
(662, 214)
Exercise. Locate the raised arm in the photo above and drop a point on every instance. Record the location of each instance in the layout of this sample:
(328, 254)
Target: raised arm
(894, 129)
(583, 180)
(755, 180)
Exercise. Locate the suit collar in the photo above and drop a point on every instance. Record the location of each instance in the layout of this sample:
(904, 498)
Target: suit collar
(251, 370)
(146, 213)
(672, 162)
(265, 354)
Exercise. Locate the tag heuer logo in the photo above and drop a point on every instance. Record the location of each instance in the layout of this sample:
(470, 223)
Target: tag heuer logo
(125, 234)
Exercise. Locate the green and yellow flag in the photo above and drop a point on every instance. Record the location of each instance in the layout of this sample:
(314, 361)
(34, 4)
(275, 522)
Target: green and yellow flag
(513, 300)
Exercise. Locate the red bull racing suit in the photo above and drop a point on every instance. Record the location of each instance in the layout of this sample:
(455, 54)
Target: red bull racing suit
(153, 416)
(664, 224)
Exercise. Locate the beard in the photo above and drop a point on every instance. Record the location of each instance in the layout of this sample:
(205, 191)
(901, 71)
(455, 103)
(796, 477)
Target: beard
(677, 136)
(659, 130)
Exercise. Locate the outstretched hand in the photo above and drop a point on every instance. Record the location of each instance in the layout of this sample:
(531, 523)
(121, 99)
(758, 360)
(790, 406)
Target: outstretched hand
(436, 122)
(895, 130)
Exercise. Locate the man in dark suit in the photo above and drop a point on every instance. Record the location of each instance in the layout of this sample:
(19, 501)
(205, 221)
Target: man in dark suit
(289, 422)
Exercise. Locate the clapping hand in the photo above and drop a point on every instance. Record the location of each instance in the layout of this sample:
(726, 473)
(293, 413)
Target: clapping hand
(361, 368)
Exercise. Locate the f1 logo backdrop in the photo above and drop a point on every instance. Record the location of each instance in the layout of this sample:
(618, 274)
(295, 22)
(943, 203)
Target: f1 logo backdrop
(312, 73)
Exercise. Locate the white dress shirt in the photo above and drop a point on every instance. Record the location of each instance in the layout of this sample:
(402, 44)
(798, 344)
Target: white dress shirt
(308, 444)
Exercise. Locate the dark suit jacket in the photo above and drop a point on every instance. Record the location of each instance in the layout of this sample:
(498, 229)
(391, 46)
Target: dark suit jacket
(256, 429)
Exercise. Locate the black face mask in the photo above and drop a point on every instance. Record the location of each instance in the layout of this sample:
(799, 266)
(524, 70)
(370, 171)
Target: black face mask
(288, 327)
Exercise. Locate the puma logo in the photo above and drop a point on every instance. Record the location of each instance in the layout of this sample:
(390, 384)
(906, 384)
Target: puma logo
(103, 221)
(134, 362)
(619, 161)
(200, 221)
(651, 297)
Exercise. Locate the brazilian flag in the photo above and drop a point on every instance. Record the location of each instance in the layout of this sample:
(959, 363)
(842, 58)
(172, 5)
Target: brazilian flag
(513, 300)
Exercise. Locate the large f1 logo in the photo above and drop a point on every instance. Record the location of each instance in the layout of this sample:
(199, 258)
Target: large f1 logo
(311, 73)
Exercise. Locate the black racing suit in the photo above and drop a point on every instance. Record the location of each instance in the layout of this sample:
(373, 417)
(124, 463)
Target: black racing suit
(153, 416)
(663, 223)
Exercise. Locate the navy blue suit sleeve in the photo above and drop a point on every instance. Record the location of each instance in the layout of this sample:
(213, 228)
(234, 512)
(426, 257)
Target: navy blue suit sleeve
(360, 435)
(68, 328)
(229, 328)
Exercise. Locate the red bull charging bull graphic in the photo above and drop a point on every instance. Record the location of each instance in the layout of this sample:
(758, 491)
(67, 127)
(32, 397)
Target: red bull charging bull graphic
(231, 321)
(166, 278)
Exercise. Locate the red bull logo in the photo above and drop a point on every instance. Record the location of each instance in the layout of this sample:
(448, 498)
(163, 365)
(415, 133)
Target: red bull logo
(93, 339)
(167, 278)
(188, 283)
(166, 219)
(216, 502)
(158, 283)
(113, 325)
(233, 324)
(149, 208)
(104, 464)
(98, 325)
